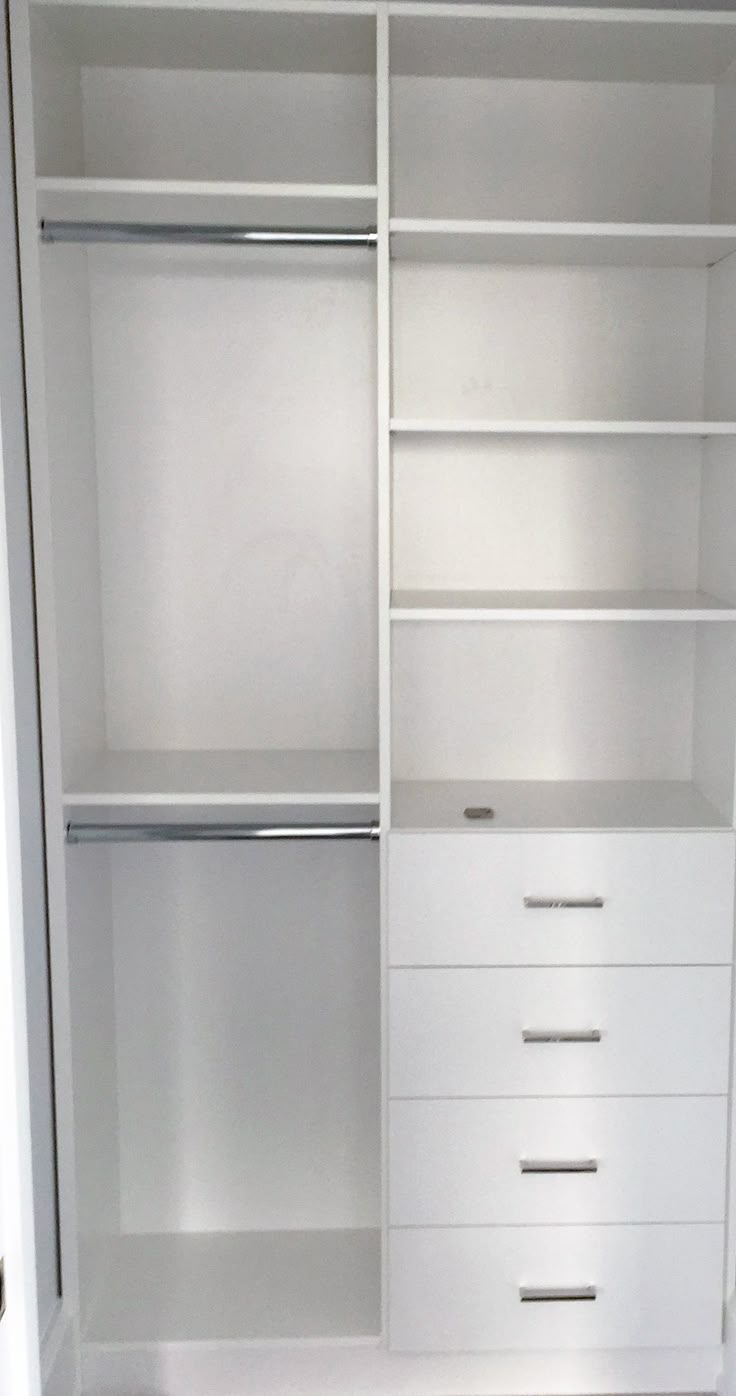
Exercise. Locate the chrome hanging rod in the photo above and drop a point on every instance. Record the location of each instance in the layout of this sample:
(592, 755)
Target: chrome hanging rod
(213, 833)
(187, 234)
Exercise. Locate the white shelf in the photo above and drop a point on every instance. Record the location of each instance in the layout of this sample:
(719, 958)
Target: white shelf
(269, 1287)
(561, 244)
(575, 805)
(559, 605)
(198, 778)
(479, 426)
(206, 201)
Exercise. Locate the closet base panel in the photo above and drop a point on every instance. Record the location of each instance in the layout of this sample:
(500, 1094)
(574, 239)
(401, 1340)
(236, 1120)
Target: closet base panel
(191, 1369)
(224, 1287)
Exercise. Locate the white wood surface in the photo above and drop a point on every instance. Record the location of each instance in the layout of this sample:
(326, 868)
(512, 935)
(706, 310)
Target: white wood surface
(560, 244)
(458, 1032)
(265, 1287)
(458, 1162)
(667, 899)
(589, 44)
(579, 701)
(247, 1036)
(214, 1370)
(559, 605)
(554, 804)
(503, 513)
(184, 778)
(457, 1289)
(205, 201)
(465, 426)
(552, 150)
(512, 342)
(275, 364)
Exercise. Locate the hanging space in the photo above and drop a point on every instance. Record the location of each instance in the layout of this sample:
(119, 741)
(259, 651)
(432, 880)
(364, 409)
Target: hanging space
(203, 420)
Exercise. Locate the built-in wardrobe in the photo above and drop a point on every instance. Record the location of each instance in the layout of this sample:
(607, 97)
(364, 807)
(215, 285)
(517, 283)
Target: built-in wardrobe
(381, 379)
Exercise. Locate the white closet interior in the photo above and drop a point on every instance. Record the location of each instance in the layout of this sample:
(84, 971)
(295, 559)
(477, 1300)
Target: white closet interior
(437, 518)
(211, 451)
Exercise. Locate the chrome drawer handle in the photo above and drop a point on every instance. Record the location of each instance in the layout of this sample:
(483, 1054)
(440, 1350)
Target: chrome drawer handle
(563, 903)
(562, 1165)
(533, 1035)
(528, 1294)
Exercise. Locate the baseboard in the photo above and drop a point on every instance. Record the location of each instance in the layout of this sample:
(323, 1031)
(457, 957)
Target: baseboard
(207, 1369)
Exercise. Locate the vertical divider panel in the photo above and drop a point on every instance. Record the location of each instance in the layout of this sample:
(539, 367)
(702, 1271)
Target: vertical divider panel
(383, 350)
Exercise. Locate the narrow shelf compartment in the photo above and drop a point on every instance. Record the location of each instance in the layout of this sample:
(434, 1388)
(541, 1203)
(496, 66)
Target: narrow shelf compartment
(196, 778)
(231, 204)
(559, 605)
(269, 1287)
(561, 244)
(553, 804)
(437, 426)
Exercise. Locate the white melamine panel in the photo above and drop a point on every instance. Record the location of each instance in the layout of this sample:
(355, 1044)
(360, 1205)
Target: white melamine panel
(556, 804)
(187, 778)
(459, 1162)
(714, 723)
(479, 41)
(160, 123)
(293, 1286)
(548, 342)
(333, 1370)
(667, 899)
(71, 466)
(551, 150)
(247, 1016)
(547, 513)
(717, 570)
(206, 201)
(536, 426)
(720, 362)
(94, 1059)
(543, 701)
(315, 37)
(435, 605)
(560, 244)
(236, 449)
(457, 1289)
(723, 201)
(459, 1032)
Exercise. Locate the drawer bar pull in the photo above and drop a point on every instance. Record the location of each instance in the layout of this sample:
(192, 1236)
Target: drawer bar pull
(562, 1165)
(533, 1035)
(563, 903)
(528, 1294)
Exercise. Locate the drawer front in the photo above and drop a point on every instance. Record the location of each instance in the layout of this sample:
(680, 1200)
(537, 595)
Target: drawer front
(459, 899)
(459, 1289)
(537, 1162)
(462, 1032)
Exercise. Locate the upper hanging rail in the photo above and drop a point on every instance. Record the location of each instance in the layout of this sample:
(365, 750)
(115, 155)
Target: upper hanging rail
(196, 234)
(214, 833)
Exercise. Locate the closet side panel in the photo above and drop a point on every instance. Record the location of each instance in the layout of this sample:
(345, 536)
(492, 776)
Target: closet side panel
(73, 502)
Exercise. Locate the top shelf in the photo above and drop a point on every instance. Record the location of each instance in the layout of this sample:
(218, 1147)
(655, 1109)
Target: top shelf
(561, 244)
(224, 778)
(200, 202)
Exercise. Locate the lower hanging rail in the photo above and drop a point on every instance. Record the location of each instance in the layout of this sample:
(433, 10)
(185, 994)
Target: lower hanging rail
(213, 833)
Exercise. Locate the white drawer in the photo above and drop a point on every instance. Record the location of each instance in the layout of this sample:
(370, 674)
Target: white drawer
(458, 1289)
(460, 898)
(461, 1032)
(537, 1162)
